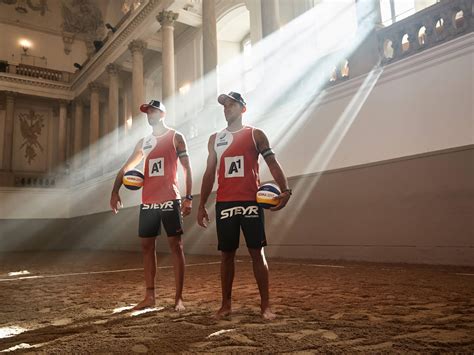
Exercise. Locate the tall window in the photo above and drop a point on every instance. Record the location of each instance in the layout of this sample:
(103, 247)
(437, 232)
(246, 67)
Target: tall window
(396, 10)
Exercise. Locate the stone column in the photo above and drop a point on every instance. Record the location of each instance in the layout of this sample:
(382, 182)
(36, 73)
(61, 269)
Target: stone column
(167, 19)
(8, 136)
(209, 42)
(137, 47)
(255, 12)
(113, 118)
(270, 17)
(301, 6)
(62, 132)
(126, 111)
(52, 141)
(94, 121)
(78, 118)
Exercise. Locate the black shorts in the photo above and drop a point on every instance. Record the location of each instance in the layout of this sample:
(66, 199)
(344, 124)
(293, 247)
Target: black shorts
(231, 216)
(151, 216)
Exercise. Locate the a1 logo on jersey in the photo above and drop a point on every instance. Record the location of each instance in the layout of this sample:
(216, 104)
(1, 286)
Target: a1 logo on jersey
(156, 167)
(234, 166)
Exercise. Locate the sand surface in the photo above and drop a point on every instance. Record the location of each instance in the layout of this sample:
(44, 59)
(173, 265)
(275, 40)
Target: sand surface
(76, 302)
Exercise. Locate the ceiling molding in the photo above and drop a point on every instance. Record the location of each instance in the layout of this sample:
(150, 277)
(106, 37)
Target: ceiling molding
(189, 18)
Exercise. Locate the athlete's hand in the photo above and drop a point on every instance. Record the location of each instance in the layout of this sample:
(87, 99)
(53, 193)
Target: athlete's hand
(186, 207)
(283, 200)
(115, 202)
(202, 217)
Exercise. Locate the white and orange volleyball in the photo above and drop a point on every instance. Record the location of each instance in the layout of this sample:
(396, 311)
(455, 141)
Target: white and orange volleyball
(133, 179)
(267, 195)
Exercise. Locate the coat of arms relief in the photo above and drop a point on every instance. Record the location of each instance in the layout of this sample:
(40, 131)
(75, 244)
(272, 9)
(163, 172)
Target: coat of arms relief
(31, 126)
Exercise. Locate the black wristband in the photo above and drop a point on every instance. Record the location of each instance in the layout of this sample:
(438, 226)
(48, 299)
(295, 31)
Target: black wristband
(265, 153)
(189, 197)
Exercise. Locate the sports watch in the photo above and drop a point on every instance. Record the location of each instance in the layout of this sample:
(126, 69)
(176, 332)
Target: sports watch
(189, 197)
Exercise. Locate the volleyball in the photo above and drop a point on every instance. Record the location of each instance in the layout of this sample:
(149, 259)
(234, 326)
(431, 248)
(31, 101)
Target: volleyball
(266, 195)
(133, 179)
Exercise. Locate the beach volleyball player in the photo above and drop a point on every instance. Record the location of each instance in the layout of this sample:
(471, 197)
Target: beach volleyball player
(161, 200)
(234, 153)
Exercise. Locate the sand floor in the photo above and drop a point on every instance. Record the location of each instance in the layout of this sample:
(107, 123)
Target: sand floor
(71, 303)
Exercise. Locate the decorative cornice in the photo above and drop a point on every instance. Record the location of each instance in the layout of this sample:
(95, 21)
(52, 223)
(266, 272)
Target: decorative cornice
(35, 86)
(94, 86)
(167, 18)
(32, 81)
(137, 46)
(113, 69)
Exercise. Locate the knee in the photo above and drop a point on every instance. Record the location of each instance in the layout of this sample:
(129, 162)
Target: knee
(228, 257)
(257, 255)
(176, 246)
(148, 247)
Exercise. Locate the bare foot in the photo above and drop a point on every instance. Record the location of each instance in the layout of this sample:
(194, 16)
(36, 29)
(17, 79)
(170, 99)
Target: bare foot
(147, 302)
(179, 306)
(224, 311)
(267, 314)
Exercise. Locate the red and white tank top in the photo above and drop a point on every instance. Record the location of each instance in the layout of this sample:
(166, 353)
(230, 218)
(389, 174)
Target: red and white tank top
(160, 168)
(237, 165)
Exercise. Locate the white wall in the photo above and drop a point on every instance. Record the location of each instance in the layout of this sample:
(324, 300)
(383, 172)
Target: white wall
(32, 203)
(48, 45)
(227, 51)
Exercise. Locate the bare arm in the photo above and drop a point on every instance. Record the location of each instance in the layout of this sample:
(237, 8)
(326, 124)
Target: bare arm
(133, 160)
(263, 146)
(207, 182)
(181, 150)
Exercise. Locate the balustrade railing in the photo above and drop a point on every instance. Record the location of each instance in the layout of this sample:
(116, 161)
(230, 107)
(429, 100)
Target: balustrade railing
(434, 25)
(38, 72)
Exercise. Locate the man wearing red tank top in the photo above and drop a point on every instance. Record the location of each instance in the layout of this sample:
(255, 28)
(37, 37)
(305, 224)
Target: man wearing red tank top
(234, 153)
(161, 201)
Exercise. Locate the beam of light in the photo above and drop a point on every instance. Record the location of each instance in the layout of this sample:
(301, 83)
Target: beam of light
(220, 332)
(123, 309)
(312, 265)
(20, 346)
(7, 332)
(324, 154)
(17, 273)
(146, 310)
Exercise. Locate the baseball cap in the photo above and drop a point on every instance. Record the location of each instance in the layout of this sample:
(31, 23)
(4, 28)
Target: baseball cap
(153, 103)
(232, 95)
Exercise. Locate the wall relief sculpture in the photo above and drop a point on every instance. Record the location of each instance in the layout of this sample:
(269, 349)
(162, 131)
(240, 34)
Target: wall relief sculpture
(22, 6)
(31, 125)
(82, 17)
